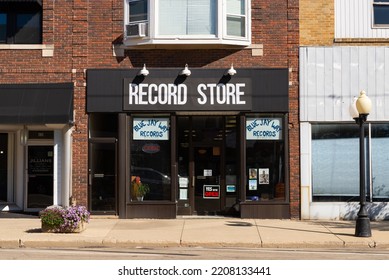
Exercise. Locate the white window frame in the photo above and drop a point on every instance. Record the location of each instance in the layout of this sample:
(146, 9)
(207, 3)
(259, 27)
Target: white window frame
(221, 37)
(246, 16)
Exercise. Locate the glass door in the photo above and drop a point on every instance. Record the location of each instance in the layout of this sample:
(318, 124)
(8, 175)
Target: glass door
(207, 175)
(102, 176)
(201, 153)
(40, 176)
(3, 166)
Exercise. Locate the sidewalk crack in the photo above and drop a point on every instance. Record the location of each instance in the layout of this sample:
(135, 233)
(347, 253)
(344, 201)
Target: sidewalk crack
(329, 230)
(259, 234)
(182, 232)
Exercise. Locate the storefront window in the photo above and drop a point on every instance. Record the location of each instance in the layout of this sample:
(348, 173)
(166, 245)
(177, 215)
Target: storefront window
(335, 162)
(380, 161)
(265, 160)
(150, 157)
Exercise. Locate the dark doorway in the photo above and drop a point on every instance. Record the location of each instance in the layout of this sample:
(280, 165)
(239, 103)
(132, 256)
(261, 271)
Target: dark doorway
(208, 160)
(40, 186)
(102, 176)
(3, 166)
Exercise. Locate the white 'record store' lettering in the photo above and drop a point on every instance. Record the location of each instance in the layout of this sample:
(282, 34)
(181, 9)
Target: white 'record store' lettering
(172, 94)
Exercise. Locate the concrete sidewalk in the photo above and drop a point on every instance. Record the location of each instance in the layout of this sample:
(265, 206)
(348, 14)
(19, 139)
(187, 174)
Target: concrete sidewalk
(24, 231)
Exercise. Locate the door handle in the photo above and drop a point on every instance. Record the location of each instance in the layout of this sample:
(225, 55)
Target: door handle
(193, 181)
(90, 177)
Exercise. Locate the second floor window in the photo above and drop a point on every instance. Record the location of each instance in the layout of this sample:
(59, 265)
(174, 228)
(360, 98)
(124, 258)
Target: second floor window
(20, 23)
(236, 18)
(190, 17)
(138, 11)
(187, 21)
(381, 12)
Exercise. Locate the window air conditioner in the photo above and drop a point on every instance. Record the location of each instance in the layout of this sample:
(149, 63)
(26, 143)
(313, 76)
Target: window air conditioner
(136, 29)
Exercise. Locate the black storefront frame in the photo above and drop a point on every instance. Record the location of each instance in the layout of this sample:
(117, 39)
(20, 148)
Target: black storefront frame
(192, 208)
(144, 209)
(269, 92)
(168, 209)
(264, 209)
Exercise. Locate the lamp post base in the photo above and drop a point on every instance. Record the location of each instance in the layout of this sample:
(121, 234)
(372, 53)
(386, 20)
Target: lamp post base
(362, 228)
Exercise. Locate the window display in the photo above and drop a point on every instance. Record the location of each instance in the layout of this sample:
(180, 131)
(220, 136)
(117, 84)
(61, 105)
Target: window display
(265, 158)
(150, 158)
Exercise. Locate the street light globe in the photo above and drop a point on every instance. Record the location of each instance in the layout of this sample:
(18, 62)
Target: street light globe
(363, 103)
(353, 109)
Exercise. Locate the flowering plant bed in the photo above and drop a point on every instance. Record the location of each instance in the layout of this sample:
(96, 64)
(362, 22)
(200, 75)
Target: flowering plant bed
(64, 219)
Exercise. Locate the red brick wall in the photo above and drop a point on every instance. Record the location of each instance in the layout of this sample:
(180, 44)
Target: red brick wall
(83, 32)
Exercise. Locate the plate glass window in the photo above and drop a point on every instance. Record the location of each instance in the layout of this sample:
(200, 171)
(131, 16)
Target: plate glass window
(150, 157)
(335, 162)
(265, 158)
(381, 12)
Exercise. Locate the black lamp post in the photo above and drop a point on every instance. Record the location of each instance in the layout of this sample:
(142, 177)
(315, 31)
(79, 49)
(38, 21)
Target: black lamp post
(359, 110)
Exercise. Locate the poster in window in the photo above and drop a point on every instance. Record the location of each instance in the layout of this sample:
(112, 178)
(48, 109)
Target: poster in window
(183, 194)
(231, 188)
(252, 173)
(263, 176)
(211, 191)
(252, 185)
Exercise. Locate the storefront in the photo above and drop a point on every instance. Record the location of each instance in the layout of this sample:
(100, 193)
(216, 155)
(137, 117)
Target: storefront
(330, 77)
(35, 145)
(206, 143)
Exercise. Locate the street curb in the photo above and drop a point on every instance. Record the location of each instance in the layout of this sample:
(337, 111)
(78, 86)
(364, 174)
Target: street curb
(132, 244)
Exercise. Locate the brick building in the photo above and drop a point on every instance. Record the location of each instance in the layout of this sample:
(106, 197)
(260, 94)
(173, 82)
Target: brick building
(196, 99)
(343, 50)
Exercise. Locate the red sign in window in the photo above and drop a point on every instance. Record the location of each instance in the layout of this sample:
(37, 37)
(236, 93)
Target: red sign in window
(211, 191)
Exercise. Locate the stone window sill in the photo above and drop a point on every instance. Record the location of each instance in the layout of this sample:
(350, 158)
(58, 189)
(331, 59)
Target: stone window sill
(47, 50)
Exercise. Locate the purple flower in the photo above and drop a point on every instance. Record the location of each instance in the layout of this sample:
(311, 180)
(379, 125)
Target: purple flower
(73, 216)
(65, 219)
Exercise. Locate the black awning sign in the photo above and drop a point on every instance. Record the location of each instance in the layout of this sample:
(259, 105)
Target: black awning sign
(211, 191)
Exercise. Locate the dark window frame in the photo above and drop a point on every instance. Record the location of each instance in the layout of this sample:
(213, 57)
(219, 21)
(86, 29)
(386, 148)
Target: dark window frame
(12, 34)
(273, 191)
(381, 13)
(153, 165)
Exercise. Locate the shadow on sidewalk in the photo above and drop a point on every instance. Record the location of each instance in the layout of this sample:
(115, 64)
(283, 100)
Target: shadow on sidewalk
(309, 231)
(326, 225)
(238, 224)
(17, 215)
